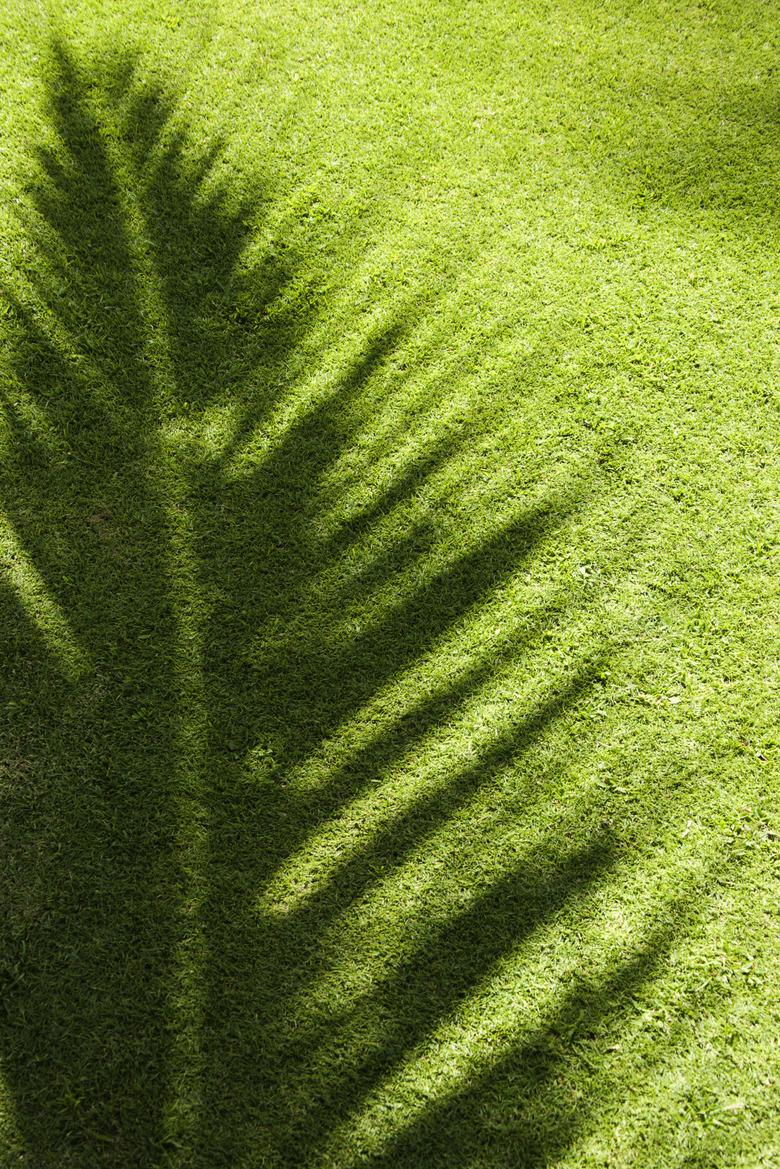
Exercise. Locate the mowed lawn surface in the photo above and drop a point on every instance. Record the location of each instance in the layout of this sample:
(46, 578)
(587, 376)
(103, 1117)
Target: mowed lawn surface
(389, 602)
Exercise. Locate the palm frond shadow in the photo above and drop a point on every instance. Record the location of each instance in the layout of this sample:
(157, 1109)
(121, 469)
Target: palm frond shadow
(501, 1114)
(140, 309)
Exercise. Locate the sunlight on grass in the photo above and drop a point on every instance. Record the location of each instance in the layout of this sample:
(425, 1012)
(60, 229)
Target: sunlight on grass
(388, 495)
(625, 950)
(38, 603)
(11, 1134)
(441, 679)
(483, 731)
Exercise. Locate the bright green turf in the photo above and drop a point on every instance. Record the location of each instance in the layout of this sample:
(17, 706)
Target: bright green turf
(389, 609)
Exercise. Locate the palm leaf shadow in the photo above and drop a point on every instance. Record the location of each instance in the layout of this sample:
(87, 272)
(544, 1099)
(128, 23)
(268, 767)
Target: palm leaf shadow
(140, 309)
(93, 827)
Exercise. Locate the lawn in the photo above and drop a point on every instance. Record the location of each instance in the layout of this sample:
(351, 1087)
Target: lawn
(390, 606)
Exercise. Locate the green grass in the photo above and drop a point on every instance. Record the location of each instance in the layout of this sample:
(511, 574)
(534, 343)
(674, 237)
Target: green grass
(389, 597)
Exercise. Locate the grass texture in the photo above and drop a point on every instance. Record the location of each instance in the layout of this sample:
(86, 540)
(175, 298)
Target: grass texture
(389, 597)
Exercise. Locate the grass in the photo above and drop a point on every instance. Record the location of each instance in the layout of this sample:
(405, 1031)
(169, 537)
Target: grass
(390, 599)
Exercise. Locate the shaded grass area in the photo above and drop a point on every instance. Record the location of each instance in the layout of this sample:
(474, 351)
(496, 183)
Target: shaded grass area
(385, 767)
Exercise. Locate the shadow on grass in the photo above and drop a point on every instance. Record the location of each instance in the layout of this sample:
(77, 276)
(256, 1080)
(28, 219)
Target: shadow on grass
(519, 1109)
(171, 621)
